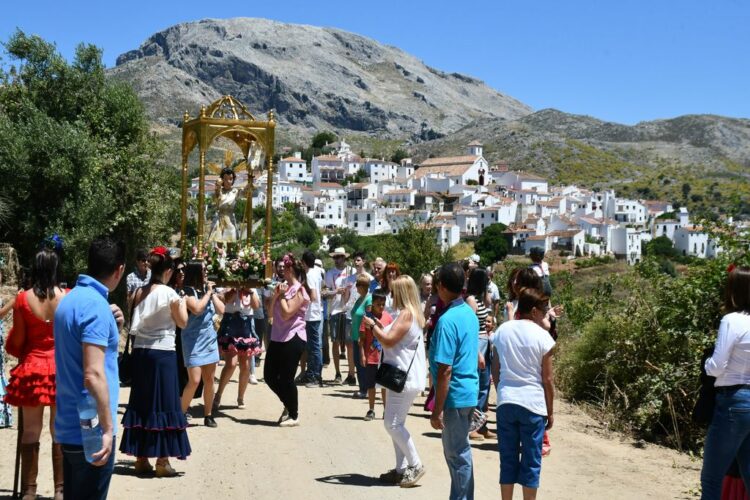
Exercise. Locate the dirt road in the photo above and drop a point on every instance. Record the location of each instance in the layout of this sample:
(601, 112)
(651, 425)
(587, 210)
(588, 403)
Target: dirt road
(335, 454)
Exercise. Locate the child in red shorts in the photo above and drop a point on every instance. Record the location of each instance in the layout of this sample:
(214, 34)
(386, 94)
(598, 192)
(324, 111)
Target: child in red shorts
(370, 349)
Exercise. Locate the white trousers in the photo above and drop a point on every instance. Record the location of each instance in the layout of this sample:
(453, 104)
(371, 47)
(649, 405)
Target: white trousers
(397, 407)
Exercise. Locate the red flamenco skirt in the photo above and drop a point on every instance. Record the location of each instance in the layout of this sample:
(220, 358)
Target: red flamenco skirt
(733, 489)
(32, 382)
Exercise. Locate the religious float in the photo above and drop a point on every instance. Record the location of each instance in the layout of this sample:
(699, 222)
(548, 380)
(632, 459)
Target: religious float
(219, 240)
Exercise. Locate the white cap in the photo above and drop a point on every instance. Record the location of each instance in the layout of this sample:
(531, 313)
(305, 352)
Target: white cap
(318, 262)
(475, 258)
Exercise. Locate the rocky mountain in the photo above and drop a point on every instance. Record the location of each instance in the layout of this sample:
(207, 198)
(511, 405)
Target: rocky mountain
(315, 78)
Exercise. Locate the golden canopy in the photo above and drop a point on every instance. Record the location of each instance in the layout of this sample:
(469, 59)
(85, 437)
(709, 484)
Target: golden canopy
(230, 119)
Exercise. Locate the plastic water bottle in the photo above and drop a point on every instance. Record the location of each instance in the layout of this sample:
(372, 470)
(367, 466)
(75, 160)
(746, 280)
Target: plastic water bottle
(91, 431)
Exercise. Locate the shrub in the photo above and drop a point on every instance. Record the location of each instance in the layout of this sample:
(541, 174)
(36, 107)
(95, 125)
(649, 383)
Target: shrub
(637, 355)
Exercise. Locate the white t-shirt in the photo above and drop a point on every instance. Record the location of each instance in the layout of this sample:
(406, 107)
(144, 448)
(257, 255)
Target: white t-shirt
(236, 305)
(730, 362)
(314, 282)
(336, 278)
(521, 345)
(493, 291)
(541, 270)
(152, 323)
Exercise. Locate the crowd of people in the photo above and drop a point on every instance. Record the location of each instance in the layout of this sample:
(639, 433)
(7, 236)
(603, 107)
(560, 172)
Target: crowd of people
(448, 334)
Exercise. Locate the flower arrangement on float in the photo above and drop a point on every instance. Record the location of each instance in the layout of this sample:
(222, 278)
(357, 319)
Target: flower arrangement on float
(231, 263)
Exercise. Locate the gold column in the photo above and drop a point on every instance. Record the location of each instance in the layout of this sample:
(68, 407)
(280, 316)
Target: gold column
(184, 203)
(201, 201)
(249, 204)
(269, 190)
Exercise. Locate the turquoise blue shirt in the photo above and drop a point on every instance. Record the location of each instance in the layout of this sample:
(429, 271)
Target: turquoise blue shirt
(83, 315)
(455, 342)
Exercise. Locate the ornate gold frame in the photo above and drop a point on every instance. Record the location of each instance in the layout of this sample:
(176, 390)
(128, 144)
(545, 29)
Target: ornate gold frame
(228, 118)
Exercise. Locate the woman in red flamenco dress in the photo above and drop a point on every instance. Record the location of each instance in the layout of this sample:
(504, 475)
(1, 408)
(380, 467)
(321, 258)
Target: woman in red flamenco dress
(32, 381)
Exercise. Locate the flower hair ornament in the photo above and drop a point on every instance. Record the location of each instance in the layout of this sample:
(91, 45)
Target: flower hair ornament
(288, 260)
(731, 268)
(161, 251)
(53, 242)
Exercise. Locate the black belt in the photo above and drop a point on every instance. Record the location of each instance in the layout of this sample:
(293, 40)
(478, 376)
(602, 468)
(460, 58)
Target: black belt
(730, 388)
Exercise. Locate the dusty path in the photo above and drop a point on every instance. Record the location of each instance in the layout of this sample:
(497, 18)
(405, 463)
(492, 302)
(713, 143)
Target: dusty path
(335, 454)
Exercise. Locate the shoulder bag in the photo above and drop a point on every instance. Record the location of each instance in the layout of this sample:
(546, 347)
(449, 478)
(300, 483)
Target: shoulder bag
(392, 377)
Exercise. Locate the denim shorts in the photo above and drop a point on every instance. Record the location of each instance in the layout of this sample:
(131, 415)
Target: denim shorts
(341, 328)
(520, 433)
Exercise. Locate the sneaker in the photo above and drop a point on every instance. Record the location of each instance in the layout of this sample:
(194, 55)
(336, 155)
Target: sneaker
(343, 356)
(210, 422)
(478, 419)
(359, 395)
(290, 422)
(253, 380)
(391, 477)
(337, 380)
(313, 383)
(284, 415)
(240, 404)
(370, 415)
(475, 436)
(411, 476)
(188, 416)
(301, 379)
(351, 380)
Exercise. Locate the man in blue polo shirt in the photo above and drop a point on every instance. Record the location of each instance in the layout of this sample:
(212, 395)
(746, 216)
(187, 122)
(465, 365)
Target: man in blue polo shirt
(86, 341)
(454, 356)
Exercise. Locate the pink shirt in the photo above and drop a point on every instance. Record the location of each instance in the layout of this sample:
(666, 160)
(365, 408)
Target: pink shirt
(284, 330)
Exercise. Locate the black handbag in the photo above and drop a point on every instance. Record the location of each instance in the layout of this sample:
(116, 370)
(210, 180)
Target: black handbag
(124, 364)
(392, 377)
(703, 411)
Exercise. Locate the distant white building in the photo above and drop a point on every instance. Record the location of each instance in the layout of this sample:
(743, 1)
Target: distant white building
(336, 167)
(328, 214)
(368, 221)
(467, 221)
(626, 244)
(380, 170)
(692, 241)
(294, 168)
(630, 212)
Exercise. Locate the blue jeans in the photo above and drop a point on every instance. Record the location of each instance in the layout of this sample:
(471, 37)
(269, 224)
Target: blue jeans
(519, 436)
(484, 375)
(728, 437)
(314, 353)
(457, 452)
(83, 480)
(360, 369)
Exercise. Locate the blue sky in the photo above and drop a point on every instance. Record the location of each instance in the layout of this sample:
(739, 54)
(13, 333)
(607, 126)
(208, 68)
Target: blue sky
(623, 61)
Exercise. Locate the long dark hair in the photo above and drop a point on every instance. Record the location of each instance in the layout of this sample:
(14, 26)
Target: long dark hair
(159, 264)
(296, 266)
(194, 276)
(737, 291)
(477, 286)
(173, 280)
(45, 273)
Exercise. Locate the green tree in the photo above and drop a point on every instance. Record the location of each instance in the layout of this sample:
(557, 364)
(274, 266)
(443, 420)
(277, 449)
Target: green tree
(399, 155)
(77, 155)
(320, 139)
(415, 249)
(661, 246)
(492, 245)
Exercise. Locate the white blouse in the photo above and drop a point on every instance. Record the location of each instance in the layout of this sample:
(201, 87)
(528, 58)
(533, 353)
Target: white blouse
(401, 355)
(730, 362)
(152, 324)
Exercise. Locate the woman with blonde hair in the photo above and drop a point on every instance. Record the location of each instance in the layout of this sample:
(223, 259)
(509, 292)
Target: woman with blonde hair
(403, 348)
